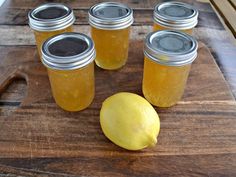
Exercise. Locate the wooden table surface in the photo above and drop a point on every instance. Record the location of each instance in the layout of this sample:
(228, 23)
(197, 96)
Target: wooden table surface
(198, 135)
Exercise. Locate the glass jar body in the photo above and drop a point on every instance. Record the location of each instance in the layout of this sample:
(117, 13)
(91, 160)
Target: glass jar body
(73, 90)
(111, 47)
(163, 86)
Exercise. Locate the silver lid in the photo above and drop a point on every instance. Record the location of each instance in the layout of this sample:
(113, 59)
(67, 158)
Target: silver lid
(110, 16)
(172, 48)
(51, 17)
(175, 15)
(68, 51)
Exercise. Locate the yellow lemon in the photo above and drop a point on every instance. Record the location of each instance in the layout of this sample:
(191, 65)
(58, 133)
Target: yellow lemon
(129, 121)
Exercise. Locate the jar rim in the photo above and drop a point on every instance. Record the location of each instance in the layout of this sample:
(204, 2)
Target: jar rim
(172, 48)
(51, 24)
(110, 23)
(70, 62)
(184, 21)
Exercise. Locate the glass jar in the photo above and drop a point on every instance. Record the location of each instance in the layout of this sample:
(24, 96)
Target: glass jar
(110, 28)
(48, 20)
(175, 16)
(69, 60)
(167, 61)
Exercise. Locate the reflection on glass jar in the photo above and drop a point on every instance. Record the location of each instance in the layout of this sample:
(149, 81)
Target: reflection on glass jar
(48, 20)
(69, 59)
(167, 62)
(110, 29)
(175, 16)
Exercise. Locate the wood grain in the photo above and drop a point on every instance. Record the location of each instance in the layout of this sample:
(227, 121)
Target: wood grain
(189, 165)
(15, 92)
(86, 4)
(233, 3)
(43, 130)
(228, 13)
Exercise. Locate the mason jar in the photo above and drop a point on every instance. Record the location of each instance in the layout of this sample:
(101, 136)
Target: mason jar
(48, 20)
(69, 60)
(167, 61)
(110, 28)
(175, 16)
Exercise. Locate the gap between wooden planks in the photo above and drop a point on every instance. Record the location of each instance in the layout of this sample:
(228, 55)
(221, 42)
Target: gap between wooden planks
(233, 3)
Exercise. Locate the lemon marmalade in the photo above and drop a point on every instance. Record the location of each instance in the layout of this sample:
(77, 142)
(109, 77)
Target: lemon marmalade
(167, 62)
(69, 60)
(110, 28)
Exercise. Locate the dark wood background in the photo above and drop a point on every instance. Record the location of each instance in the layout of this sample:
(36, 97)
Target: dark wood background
(198, 136)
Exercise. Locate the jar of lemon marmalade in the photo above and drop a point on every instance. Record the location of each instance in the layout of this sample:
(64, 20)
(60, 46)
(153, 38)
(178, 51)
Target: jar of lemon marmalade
(110, 28)
(48, 20)
(175, 16)
(167, 60)
(69, 60)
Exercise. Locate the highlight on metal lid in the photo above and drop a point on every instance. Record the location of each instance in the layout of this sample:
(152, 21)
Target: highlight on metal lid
(171, 48)
(110, 15)
(176, 15)
(68, 51)
(51, 17)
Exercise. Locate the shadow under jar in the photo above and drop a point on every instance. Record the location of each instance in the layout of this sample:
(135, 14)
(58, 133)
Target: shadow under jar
(167, 61)
(110, 28)
(175, 16)
(69, 59)
(48, 20)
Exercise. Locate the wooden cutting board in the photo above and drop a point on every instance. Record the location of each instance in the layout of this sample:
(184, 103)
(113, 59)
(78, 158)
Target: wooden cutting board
(198, 134)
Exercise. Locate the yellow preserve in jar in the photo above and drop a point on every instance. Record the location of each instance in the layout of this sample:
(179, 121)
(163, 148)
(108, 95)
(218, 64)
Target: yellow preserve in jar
(110, 28)
(69, 58)
(167, 61)
(175, 16)
(48, 20)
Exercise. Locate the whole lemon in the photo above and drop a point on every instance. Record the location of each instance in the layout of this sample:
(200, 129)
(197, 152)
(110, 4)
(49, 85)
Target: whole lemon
(129, 121)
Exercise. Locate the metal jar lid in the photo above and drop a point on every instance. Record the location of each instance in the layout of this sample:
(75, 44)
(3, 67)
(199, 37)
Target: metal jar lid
(176, 15)
(51, 17)
(110, 16)
(172, 48)
(68, 51)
